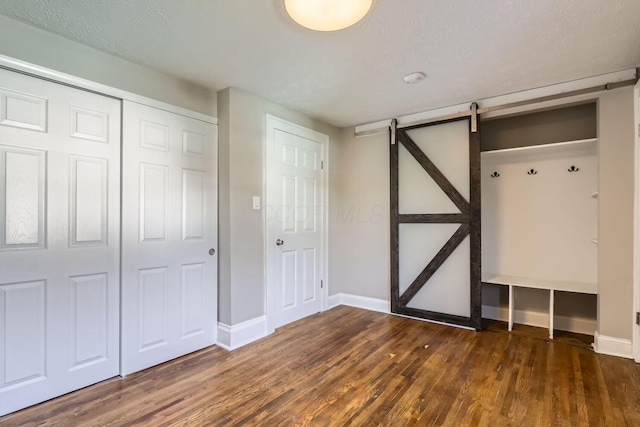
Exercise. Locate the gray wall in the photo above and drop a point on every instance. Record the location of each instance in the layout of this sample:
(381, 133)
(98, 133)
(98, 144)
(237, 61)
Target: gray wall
(361, 265)
(242, 119)
(544, 127)
(224, 211)
(30, 44)
(615, 213)
(361, 246)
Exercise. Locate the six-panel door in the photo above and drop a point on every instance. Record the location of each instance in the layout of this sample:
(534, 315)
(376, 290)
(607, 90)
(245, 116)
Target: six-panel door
(169, 235)
(59, 239)
(296, 221)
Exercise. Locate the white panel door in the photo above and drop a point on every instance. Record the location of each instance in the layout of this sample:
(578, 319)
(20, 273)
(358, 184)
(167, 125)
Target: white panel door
(169, 236)
(296, 224)
(59, 239)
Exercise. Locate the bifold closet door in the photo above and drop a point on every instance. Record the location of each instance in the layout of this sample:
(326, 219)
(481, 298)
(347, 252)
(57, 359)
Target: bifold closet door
(59, 239)
(435, 222)
(169, 235)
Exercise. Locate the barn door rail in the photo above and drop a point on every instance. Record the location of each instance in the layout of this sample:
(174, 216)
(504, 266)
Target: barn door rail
(462, 114)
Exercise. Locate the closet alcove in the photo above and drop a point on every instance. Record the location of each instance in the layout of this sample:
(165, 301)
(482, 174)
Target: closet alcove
(539, 218)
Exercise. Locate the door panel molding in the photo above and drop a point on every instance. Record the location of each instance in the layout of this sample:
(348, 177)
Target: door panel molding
(636, 216)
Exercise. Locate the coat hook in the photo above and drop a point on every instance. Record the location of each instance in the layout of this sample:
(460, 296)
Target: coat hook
(495, 175)
(573, 169)
(532, 172)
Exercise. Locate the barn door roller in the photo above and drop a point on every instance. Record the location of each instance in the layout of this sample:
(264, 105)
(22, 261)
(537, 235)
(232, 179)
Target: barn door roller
(474, 117)
(394, 126)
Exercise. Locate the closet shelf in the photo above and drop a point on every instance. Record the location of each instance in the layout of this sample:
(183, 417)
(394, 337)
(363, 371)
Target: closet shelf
(546, 148)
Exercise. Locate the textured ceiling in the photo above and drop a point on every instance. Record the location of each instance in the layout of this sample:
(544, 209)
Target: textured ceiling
(469, 49)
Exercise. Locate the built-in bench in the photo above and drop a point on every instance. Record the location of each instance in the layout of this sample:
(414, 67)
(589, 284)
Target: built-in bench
(551, 285)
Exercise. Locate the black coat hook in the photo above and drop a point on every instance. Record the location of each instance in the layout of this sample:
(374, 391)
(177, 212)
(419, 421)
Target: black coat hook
(495, 175)
(532, 172)
(573, 169)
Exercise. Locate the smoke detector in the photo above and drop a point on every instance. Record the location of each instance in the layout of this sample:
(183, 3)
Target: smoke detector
(414, 78)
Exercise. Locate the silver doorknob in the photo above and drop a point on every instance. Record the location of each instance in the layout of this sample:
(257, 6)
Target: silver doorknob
(212, 251)
(279, 242)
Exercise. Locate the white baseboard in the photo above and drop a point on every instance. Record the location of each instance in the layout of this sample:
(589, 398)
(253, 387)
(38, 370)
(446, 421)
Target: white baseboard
(531, 318)
(613, 346)
(231, 337)
(534, 318)
(333, 301)
(373, 304)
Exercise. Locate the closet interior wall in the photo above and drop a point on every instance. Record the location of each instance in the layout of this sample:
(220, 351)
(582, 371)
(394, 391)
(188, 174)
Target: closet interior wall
(569, 123)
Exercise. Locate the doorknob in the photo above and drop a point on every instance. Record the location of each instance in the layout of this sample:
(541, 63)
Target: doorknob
(279, 242)
(212, 251)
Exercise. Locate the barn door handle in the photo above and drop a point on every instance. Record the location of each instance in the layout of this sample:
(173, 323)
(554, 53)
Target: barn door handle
(279, 242)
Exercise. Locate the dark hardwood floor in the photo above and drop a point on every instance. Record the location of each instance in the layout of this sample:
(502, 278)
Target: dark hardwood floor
(354, 367)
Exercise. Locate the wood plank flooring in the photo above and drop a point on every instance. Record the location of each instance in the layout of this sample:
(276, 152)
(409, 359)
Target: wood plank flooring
(351, 367)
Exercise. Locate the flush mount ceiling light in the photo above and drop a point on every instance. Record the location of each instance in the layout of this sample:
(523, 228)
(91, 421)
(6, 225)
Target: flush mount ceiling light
(327, 15)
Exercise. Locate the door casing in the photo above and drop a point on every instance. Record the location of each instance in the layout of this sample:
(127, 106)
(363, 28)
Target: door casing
(636, 234)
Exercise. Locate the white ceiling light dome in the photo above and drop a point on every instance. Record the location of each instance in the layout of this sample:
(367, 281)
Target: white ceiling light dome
(327, 15)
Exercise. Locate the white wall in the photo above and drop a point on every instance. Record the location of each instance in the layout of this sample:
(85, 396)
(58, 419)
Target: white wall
(242, 121)
(30, 44)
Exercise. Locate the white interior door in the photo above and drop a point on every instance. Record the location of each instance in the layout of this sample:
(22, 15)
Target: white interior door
(169, 236)
(59, 239)
(295, 222)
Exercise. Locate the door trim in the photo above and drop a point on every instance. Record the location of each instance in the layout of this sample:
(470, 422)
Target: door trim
(635, 336)
(273, 123)
(44, 73)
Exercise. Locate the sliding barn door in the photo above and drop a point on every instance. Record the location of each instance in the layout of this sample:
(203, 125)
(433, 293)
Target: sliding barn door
(435, 222)
(169, 236)
(59, 239)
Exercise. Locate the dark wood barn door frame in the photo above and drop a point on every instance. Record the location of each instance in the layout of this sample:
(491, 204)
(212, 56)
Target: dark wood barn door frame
(469, 220)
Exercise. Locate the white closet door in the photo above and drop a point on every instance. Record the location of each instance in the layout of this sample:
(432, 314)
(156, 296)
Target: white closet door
(59, 239)
(169, 234)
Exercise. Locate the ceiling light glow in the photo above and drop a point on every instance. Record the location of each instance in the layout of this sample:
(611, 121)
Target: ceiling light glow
(327, 15)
